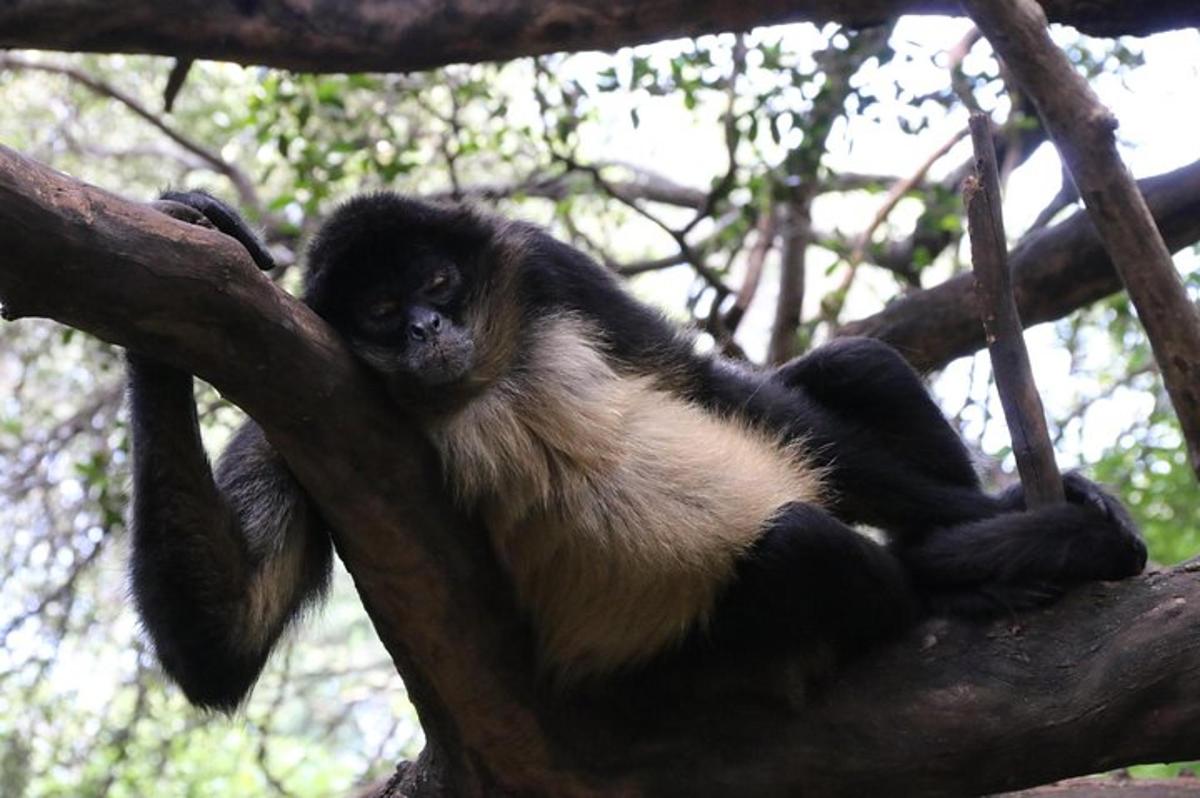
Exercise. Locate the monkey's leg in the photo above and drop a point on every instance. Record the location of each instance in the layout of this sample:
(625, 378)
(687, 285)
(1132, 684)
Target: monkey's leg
(895, 462)
(866, 382)
(811, 578)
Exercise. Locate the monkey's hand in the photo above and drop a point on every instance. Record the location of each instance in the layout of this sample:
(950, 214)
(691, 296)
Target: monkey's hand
(1117, 539)
(198, 207)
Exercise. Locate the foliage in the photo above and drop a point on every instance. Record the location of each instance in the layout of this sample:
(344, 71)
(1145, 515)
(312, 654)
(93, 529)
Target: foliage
(1149, 459)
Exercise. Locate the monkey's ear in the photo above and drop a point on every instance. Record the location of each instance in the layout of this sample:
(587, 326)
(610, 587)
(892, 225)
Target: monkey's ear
(319, 292)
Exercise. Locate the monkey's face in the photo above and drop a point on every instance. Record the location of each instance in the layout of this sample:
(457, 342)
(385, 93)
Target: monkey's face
(405, 321)
(407, 324)
(406, 283)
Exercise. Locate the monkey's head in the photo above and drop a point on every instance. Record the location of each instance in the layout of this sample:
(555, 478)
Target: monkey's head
(405, 283)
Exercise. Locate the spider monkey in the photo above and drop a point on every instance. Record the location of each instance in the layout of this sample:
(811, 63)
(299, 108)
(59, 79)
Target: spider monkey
(639, 495)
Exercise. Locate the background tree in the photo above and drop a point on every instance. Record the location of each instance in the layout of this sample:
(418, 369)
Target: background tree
(730, 177)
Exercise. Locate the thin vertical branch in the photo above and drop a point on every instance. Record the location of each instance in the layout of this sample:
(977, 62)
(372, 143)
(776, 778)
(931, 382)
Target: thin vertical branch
(765, 233)
(797, 233)
(998, 309)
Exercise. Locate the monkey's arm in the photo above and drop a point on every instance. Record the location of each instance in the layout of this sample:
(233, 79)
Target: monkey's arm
(220, 564)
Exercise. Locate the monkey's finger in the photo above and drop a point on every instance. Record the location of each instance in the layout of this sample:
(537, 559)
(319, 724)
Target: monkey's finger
(226, 220)
(184, 213)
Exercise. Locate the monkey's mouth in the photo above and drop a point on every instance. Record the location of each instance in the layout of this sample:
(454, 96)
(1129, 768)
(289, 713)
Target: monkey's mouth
(441, 361)
(428, 365)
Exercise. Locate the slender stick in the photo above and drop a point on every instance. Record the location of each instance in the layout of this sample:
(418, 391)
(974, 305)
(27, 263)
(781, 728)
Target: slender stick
(1002, 326)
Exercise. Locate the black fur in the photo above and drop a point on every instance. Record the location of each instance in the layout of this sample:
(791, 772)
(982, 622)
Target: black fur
(893, 460)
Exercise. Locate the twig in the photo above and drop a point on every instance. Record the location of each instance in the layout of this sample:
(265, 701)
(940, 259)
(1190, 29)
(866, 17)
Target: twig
(691, 255)
(642, 266)
(998, 309)
(831, 309)
(765, 232)
(731, 137)
(642, 184)
(897, 192)
(1066, 196)
(1083, 129)
(959, 82)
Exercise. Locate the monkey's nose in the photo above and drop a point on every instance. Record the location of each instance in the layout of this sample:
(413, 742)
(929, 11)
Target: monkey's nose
(424, 324)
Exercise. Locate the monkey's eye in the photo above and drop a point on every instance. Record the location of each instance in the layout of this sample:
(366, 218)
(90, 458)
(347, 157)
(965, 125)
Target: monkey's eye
(438, 283)
(383, 309)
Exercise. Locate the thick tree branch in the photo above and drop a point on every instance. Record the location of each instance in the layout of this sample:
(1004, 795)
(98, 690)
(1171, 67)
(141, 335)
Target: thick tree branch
(1104, 678)
(1055, 271)
(397, 37)
(1118, 787)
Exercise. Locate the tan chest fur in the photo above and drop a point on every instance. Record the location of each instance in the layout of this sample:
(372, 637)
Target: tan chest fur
(618, 508)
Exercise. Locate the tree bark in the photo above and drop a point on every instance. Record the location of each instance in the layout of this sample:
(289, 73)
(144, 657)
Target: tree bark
(368, 35)
(1125, 787)
(1055, 271)
(1104, 678)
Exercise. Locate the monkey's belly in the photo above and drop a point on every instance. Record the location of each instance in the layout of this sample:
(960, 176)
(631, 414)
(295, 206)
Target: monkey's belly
(627, 554)
(619, 508)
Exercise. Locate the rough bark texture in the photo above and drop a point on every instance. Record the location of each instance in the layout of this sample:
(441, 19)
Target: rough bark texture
(1055, 271)
(1106, 677)
(1182, 787)
(1019, 396)
(1084, 132)
(376, 35)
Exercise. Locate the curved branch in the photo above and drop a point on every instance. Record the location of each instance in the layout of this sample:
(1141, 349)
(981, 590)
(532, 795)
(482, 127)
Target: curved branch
(367, 36)
(1105, 678)
(1055, 271)
(953, 709)
(641, 184)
